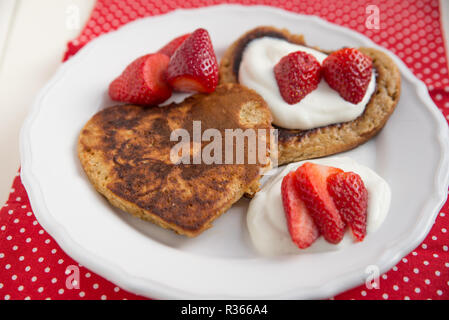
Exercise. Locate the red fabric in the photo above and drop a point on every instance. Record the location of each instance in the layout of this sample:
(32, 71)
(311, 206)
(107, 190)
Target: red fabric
(32, 266)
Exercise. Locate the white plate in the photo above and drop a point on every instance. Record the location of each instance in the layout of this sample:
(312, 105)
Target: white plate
(411, 153)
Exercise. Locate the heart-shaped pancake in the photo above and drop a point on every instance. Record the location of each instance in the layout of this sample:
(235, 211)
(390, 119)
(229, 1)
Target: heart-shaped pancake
(295, 144)
(126, 151)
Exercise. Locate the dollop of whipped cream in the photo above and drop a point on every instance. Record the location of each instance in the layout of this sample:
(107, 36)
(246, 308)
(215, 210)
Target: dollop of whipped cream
(321, 107)
(266, 218)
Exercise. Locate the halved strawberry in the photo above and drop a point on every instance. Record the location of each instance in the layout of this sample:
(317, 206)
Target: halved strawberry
(297, 74)
(311, 183)
(348, 71)
(303, 230)
(142, 82)
(193, 67)
(170, 48)
(351, 199)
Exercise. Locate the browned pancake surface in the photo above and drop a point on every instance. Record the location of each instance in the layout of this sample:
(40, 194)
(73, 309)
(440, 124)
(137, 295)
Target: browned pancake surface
(125, 151)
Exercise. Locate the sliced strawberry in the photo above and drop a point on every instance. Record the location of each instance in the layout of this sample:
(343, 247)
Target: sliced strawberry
(311, 182)
(193, 67)
(142, 82)
(351, 199)
(297, 74)
(170, 48)
(303, 230)
(348, 71)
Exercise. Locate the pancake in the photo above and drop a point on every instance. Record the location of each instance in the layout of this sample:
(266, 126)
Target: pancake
(296, 145)
(125, 152)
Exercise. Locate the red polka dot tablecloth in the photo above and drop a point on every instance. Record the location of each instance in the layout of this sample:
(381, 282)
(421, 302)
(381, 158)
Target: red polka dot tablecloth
(32, 266)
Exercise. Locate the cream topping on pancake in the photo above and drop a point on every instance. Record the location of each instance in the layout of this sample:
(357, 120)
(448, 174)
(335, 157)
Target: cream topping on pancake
(321, 107)
(266, 220)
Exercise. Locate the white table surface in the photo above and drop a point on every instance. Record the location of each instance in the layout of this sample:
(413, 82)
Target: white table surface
(33, 38)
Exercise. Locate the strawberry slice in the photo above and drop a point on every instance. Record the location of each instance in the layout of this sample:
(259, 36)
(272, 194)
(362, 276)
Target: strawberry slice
(303, 230)
(311, 183)
(351, 199)
(348, 71)
(193, 67)
(170, 48)
(142, 82)
(297, 74)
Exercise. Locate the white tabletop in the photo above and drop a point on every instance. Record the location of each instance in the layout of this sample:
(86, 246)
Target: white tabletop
(33, 37)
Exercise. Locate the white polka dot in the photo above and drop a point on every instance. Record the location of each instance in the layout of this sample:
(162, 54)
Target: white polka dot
(60, 261)
(7, 297)
(439, 292)
(395, 268)
(21, 258)
(116, 289)
(14, 277)
(9, 237)
(404, 260)
(103, 297)
(443, 230)
(435, 255)
(88, 275)
(437, 273)
(434, 238)
(95, 286)
(385, 296)
(7, 266)
(405, 279)
(384, 276)
(47, 269)
(40, 290)
(414, 253)
(417, 290)
(363, 293)
(427, 281)
(416, 270)
(28, 268)
(406, 298)
(395, 288)
(33, 279)
(54, 280)
(27, 298)
(14, 248)
(40, 259)
(28, 240)
(425, 262)
(53, 251)
(29, 213)
(424, 246)
(61, 291)
(16, 220)
(2, 255)
(22, 230)
(34, 250)
(20, 288)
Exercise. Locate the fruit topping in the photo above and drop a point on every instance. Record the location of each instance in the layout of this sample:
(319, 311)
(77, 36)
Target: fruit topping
(297, 74)
(303, 230)
(193, 67)
(348, 71)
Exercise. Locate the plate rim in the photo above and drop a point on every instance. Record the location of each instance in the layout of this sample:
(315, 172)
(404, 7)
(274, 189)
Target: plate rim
(389, 257)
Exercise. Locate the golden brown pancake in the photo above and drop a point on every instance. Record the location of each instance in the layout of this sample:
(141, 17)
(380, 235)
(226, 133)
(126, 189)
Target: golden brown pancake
(296, 145)
(125, 152)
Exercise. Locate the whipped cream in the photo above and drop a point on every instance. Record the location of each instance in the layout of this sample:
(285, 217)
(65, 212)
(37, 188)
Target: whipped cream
(266, 218)
(321, 107)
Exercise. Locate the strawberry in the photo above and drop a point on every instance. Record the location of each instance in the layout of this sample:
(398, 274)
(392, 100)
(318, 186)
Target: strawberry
(193, 67)
(297, 74)
(311, 183)
(303, 230)
(351, 199)
(348, 71)
(170, 48)
(142, 82)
